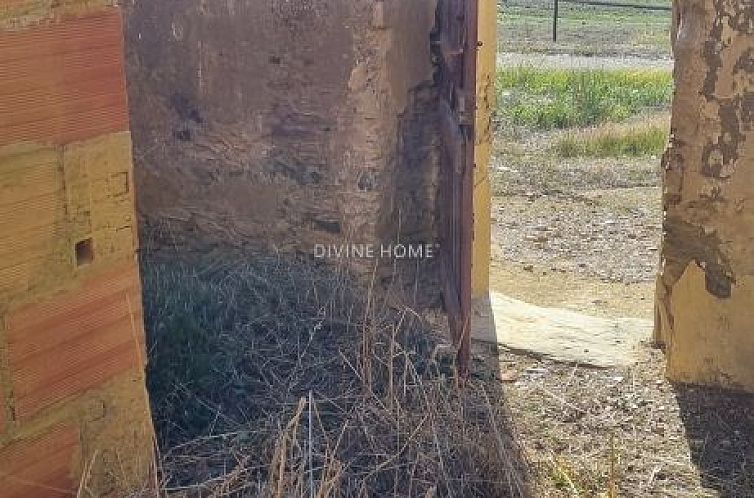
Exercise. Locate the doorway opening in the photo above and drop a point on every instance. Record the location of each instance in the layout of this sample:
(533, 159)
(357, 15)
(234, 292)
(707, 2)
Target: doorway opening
(582, 124)
(577, 213)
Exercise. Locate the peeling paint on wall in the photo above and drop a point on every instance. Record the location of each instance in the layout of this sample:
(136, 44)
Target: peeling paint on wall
(704, 311)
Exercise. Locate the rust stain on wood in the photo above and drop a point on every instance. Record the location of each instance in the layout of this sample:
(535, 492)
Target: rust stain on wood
(3, 410)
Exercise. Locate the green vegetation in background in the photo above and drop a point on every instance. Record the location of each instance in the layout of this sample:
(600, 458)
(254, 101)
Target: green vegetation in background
(546, 99)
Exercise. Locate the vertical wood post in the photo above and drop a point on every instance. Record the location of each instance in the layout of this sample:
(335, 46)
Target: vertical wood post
(555, 21)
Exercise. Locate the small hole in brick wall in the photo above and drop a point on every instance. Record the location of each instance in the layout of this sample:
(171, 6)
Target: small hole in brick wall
(84, 252)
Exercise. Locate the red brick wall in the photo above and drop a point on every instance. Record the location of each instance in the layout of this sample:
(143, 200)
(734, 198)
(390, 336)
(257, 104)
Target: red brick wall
(75, 341)
(40, 467)
(72, 393)
(63, 81)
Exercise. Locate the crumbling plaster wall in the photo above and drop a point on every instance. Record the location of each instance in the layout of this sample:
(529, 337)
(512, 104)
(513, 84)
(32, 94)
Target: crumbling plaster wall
(278, 125)
(705, 296)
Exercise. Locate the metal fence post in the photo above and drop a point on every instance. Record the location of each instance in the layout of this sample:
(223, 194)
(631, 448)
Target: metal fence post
(555, 22)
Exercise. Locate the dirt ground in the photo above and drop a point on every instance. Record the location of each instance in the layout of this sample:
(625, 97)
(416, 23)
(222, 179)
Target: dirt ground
(626, 432)
(584, 234)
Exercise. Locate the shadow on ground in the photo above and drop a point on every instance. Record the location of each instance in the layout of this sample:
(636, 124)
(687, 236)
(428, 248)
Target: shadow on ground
(720, 430)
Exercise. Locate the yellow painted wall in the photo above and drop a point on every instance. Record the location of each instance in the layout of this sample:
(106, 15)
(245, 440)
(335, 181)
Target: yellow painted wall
(486, 61)
(705, 289)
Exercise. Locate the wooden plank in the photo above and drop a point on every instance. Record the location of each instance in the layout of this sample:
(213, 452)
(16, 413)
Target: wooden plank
(468, 117)
(458, 41)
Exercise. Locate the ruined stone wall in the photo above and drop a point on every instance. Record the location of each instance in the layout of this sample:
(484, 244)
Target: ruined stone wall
(278, 125)
(73, 407)
(705, 311)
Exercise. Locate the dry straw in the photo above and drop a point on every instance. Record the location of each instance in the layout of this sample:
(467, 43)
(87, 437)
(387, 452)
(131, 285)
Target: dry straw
(281, 379)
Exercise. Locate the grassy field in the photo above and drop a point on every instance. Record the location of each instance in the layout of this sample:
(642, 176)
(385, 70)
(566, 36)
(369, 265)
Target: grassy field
(546, 99)
(526, 26)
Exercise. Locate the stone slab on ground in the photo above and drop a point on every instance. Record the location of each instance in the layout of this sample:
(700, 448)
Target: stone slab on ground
(559, 334)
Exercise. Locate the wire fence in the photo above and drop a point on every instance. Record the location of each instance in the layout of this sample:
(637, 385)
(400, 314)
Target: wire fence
(631, 5)
(588, 27)
(605, 4)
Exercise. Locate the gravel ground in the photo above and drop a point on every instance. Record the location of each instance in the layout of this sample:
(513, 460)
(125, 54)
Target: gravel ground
(584, 235)
(570, 61)
(598, 218)
(587, 432)
(615, 240)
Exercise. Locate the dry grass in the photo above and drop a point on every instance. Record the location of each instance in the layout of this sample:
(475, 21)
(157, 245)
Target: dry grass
(279, 379)
(628, 431)
(645, 137)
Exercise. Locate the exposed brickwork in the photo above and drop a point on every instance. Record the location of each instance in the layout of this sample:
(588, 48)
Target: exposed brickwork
(72, 392)
(40, 467)
(32, 208)
(63, 81)
(55, 197)
(64, 346)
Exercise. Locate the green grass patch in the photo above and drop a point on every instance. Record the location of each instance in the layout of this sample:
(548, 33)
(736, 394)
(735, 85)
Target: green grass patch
(546, 99)
(615, 141)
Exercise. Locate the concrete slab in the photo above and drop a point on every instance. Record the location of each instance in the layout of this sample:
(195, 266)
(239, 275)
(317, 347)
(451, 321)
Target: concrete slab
(559, 334)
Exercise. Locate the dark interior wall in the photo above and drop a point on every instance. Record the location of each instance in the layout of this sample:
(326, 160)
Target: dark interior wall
(279, 125)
